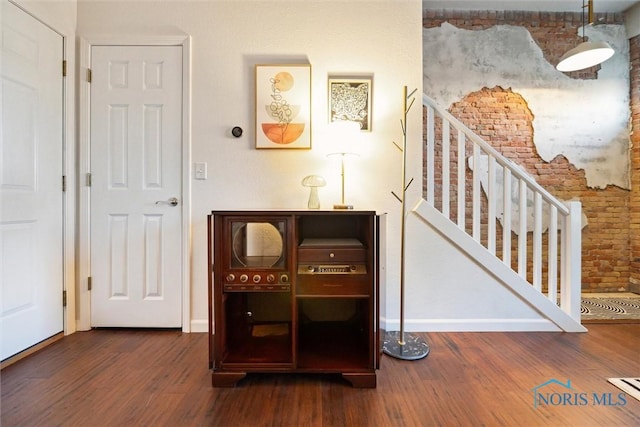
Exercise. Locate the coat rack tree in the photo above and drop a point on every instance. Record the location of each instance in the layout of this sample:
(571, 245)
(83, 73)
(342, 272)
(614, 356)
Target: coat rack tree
(399, 344)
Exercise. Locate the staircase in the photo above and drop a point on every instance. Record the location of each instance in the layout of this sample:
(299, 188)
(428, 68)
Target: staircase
(496, 213)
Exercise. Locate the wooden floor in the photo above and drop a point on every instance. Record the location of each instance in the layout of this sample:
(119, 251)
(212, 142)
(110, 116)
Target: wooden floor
(161, 378)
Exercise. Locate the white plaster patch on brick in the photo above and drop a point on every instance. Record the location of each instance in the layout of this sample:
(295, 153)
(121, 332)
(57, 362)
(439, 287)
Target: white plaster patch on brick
(483, 170)
(587, 121)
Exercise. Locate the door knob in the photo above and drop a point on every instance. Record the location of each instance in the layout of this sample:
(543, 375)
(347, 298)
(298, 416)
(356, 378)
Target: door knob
(172, 201)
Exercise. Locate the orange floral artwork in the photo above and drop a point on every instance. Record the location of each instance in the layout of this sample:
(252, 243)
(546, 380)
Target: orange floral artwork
(283, 106)
(283, 134)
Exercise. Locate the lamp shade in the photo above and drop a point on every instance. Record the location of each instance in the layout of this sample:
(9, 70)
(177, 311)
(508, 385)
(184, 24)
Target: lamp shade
(343, 137)
(585, 55)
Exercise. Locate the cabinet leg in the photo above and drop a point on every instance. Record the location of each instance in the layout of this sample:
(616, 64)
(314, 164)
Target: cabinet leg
(226, 379)
(361, 380)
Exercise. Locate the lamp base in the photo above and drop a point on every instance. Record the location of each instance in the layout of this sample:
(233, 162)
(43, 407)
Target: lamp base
(412, 347)
(343, 207)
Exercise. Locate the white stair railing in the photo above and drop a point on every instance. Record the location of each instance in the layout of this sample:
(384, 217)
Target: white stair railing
(516, 219)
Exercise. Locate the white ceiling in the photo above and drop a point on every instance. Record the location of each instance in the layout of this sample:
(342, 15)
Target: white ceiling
(532, 5)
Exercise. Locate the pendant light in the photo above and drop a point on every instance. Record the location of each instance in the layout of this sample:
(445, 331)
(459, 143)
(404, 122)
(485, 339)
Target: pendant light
(586, 54)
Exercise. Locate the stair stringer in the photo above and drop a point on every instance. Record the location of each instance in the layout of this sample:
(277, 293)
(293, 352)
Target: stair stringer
(502, 273)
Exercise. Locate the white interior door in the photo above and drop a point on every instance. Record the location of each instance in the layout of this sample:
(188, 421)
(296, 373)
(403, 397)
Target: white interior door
(136, 169)
(31, 145)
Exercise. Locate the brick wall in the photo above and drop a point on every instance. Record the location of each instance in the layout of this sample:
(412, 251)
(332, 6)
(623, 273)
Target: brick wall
(502, 118)
(634, 201)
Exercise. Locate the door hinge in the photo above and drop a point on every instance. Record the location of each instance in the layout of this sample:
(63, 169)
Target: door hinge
(64, 298)
(64, 183)
(64, 68)
(89, 283)
(89, 179)
(89, 75)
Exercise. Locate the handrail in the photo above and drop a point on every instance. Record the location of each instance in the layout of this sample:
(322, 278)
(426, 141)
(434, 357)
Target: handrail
(503, 161)
(564, 218)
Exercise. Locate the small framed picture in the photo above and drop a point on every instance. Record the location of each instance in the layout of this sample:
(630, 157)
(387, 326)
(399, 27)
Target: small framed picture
(283, 106)
(350, 100)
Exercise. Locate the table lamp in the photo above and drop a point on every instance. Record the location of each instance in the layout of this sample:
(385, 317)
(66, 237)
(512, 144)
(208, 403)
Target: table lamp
(345, 137)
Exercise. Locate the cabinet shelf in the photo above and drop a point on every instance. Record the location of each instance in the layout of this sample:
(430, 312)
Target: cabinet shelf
(333, 346)
(254, 348)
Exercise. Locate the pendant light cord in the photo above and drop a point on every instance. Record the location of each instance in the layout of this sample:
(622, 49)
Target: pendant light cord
(584, 39)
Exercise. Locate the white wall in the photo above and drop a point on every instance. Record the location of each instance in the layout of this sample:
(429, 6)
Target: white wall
(383, 38)
(632, 21)
(449, 291)
(59, 15)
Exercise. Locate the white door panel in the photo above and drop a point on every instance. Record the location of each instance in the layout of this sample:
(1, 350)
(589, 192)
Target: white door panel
(136, 166)
(31, 213)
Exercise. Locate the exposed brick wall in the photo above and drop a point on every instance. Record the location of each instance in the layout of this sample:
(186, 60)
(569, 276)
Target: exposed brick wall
(634, 202)
(503, 119)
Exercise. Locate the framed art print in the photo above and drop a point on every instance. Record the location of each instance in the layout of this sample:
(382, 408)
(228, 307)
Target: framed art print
(283, 106)
(350, 100)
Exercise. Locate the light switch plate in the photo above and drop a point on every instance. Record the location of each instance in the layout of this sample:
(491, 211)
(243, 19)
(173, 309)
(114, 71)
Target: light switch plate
(200, 170)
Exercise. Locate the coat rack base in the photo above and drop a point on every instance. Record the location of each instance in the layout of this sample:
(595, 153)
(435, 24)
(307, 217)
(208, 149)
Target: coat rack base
(412, 348)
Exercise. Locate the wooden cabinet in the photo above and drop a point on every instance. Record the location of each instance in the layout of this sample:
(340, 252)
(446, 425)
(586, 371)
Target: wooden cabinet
(294, 291)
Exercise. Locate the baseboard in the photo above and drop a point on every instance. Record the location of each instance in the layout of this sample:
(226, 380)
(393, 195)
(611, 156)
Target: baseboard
(199, 325)
(471, 325)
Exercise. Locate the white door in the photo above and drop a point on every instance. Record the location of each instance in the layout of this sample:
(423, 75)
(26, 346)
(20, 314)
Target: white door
(31, 218)
(136, 171)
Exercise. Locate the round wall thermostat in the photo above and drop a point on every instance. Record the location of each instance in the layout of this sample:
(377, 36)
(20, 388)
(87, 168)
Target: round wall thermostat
(236, 131)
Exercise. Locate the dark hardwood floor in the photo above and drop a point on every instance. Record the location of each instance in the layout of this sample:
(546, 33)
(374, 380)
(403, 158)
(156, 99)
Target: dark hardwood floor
(161, 378)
